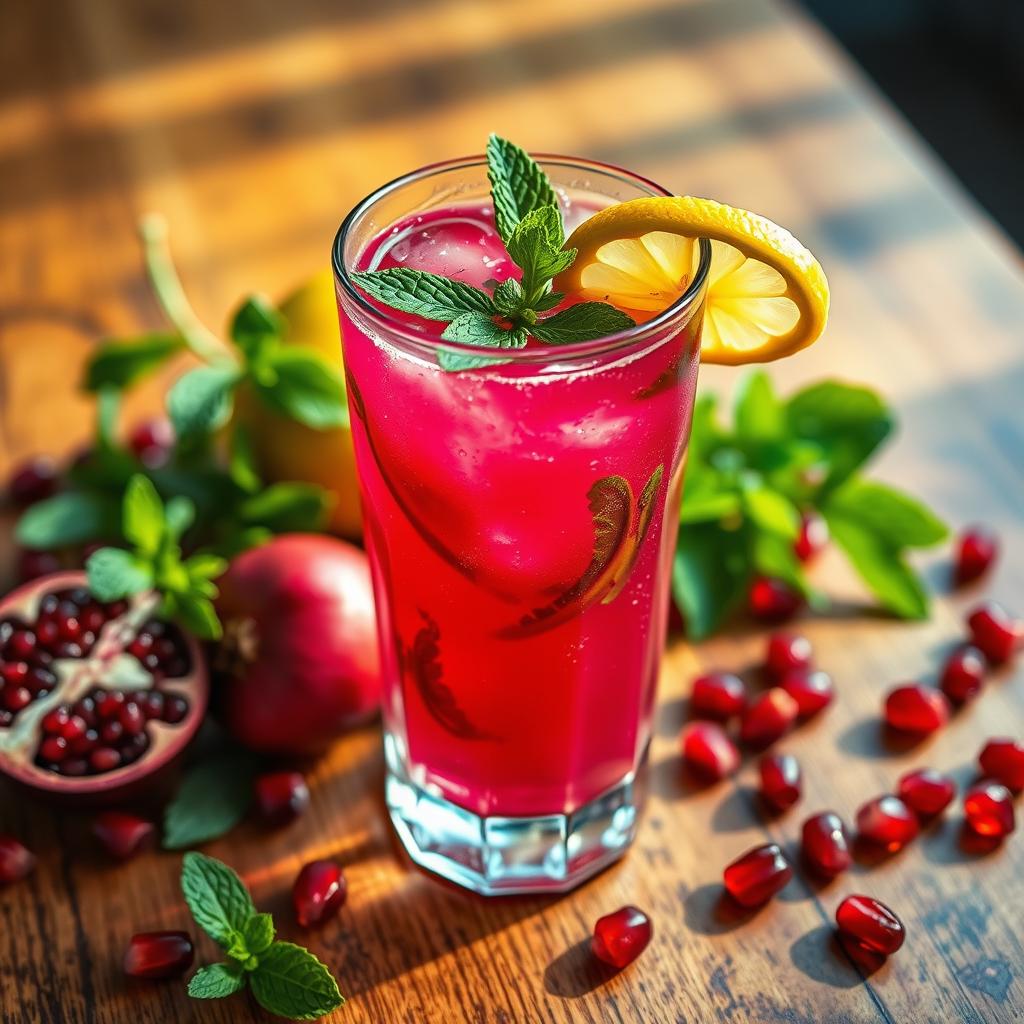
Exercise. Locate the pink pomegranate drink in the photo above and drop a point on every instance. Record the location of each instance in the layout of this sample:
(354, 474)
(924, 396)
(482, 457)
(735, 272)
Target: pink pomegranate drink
(520, 518)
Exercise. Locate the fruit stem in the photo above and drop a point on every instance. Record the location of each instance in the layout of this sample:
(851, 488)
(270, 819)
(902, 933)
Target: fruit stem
(170, 294)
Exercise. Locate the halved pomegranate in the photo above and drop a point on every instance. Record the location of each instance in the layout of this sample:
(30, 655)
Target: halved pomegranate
(95, 698)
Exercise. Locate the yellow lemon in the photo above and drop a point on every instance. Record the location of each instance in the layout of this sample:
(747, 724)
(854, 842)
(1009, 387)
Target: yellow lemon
(767, 295)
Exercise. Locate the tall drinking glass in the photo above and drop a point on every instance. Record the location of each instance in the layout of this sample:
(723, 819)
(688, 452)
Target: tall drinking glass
(520, 520)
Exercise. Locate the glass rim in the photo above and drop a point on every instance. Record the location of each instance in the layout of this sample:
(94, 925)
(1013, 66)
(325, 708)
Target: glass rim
(430, 341)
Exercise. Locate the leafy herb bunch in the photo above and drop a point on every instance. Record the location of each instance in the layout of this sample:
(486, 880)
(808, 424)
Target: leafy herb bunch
(748, 484)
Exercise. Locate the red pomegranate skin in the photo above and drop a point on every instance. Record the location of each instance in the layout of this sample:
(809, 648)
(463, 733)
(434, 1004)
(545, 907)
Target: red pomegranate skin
(299, 611)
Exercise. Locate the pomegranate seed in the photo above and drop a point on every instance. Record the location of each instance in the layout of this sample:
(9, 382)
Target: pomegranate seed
(16, 698)
(963, 674)
(109, 705)
(871, 924)
(33, 481)
(14, 673)
(887, 821)
(708, 751)
(151, 704)
(926, 792)
(718, 695)
(281, 797)
(781, 780)
(104, 759)
(813, 537)
(825, 844)
(988, 808)
(916, 708)
(84, 743)
(111, 732)
(74, 727)
(758, 875)
(21, 646)
(33, 564)
(131, 718)
(769, 717)
(812, 691)
(995, 632)
(319, 892)
(156, 955)
(175, 709)
(787, 652)
(53, 749)
(772, 600)
(85, 709)
(75, 767)
(620, 937)
(152, 441)
(55, 720)
(1003, 760)
(15, 860)
(122, 835)
(976, 552)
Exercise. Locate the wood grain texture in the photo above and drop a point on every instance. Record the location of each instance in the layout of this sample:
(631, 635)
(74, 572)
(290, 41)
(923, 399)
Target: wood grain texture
(254, 127)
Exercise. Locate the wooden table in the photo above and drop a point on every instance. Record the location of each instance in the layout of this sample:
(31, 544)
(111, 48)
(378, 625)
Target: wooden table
(254, 127)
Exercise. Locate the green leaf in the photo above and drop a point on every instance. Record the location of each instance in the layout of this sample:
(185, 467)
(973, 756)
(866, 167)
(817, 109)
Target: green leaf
(535, 246)
(215, 982)
(880, 566)
(548, 301)
(118, 364)
(255, 321)
(518, 185)
(286, 508)
(894, 517)
(205, 566)
(258, 933)
(200, 402)
(508, 297)
(114, 574)
(428, 295)
(292, 983)
(212, 799)
(179, 515)
(142, 518)
(307, 388)
(709, 576)
(581, 322)
(709, 506)
(772, 511)
(71, 518)
(108, 409)
(476, 329)
(217, 897)
(197, 612)
(242, 461)
(773, 556)
(758, 414)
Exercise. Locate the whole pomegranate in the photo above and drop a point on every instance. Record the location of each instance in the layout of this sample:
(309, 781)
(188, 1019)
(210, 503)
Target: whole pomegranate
(96, 698)
(299, 662)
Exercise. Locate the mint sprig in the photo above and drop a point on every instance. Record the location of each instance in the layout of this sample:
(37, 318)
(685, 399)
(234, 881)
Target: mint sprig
(285, 979)
(529, 220)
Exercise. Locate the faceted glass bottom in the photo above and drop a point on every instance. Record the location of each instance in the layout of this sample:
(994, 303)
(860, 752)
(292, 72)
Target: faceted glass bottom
(505, 856)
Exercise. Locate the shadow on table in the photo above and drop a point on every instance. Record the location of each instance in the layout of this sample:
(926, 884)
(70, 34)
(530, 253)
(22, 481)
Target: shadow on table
(576, 972)
(823, 958)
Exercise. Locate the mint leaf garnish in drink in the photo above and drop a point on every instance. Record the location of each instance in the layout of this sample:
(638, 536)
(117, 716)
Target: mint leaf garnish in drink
(216, 981)
(529, 220)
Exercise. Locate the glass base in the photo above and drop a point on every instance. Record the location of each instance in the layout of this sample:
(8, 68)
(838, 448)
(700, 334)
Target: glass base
(505, 856)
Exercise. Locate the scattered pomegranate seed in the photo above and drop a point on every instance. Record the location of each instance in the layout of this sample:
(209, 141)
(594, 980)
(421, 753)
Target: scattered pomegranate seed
(33, 481)
(825, 844)
(620, 937)
(758, 875)
(887, 821)
(718, 695)
(813, 537)
(772, 600)
(1003, 760)
(33, 564)
(156, 955)
(318, 893)
(870, 923)
(926, 792)
(963, 675)
(812, 691)
(995, 632)
(281, 797)
(122, 835)
(976, 552)
(916, 708)
(786, 653)
(16, 861)
(770, 716)
(781, 780)
(988, 808)
(708, 751)
(152, 441)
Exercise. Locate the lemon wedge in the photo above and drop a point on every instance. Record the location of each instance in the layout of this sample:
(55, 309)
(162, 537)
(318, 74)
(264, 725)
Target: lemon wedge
(767, 295)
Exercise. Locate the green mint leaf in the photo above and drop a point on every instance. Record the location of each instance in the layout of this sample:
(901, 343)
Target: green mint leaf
(709, 576)
(286, 508)
(108, 410)
(205, 566)
(306, 388)
(581, 322)
(118, 364)
(212, 799)
(142, 515)
(549, 301)
(518, 185)
(535, 247)
(292, 983)
(509, 297)
(215, 982)
(773, 556)
(179, 515)
(772, 511)
(255, 321)
(880, 566)
(709, 507)
(196, 611)
(114, 574)
(428, 295)
(705, 431)
(200, 402)
(217, 897)
(70, 518)
(758, 414)
(242, 466)
(480, 330)
(892, 516)
(258, 933)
